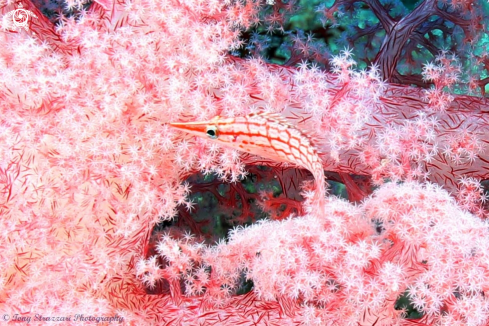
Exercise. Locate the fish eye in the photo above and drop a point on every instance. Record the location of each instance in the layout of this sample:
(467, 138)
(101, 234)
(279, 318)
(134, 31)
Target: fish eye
(212, 132)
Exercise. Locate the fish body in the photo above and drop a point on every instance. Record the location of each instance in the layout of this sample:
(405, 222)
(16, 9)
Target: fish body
(266, 135)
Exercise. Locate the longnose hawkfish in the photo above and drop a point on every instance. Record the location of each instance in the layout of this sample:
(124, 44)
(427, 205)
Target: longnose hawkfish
(266, 135)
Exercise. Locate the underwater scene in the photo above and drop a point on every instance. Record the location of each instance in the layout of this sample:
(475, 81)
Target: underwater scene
(244, 162)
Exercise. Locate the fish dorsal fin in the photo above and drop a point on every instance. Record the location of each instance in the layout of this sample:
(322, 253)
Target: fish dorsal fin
(272, 117)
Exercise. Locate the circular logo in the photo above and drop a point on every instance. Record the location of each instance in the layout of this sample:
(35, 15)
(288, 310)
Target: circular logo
(20, 17)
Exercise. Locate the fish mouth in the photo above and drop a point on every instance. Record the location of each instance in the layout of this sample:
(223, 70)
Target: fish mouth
(196, 128)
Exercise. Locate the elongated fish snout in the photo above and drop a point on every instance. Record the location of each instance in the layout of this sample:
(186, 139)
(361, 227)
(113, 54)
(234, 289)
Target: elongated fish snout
(196, 128)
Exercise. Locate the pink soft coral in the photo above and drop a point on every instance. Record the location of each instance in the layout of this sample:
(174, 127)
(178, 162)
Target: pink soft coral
(338, 269)
(88, 167)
